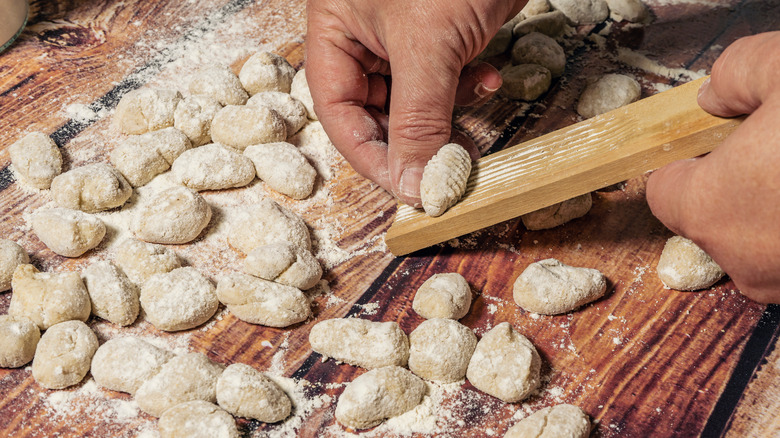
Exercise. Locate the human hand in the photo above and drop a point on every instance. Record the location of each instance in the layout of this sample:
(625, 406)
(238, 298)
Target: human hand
(728, 202)
(350, 50)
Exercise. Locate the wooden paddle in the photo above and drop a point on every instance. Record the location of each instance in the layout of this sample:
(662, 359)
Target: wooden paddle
(587, 156)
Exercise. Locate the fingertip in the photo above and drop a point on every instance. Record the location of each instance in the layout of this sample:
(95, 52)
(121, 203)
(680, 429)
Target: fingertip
(668, 194)
(409, 186)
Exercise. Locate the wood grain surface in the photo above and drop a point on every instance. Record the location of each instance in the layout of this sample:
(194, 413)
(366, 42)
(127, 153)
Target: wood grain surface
(642, 361)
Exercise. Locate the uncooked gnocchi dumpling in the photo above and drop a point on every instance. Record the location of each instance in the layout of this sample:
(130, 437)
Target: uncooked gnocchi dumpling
(267, 222)
(685, 266)
(629, 10)
(173, 216)
(124, 364)
(361, 342)
(379, 394)
(178, 300)
(193, 117)
(525, 81)
(146, 109)
(537, 48)
(245, 392)
(550, 287)
(219, 82)
(142, 157)
(292, 110)
(242, 126)
(140, 260)
(11, 256)
(263, 302)
(558, 214)
(505, 364)
(63, 354)
(499, 43)
(91, 188)
(36, 159)
(582, 11)
(445, 295)
(266, 71)
(534, 7)
(283, 167)
(284, 263)
(607, 93)
(562, 420)
(440, 350)
(48, 298)
(213, 167)
(197, 419)
(444, 179)
(553, 24)
(300, 91)
(114, 297)
(19, 336)
(69, 233)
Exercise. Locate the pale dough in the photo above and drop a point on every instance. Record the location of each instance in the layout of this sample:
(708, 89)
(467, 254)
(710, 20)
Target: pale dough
(559, 421)
(178, 300)
(11, 256)
(535, 7)
(67, 232)
(263, 302)
(124, 364)
(36, 159)
(175, 215)
(290, 109)
(19, 337)
(114, 297)
(361, 342)
(525, 81)
(499, 43)
(219, 82)
(553, 24)
(48, 298)
(300, 90)
(440, 350)
(607, 93)
(537, 48)
(446, 295)
(283, 167)
(245, 392)
(63, 354)
(139, 158)
(145, 110)
(91, 188)
(213, 167)
(140, 260)
(284, 263)
(197, 419)
(550, 287)
(582, 11)
(444, 179)
(267, 222)
(558, 214)
(266, 71)
(193, 117)
(242, 126)
(629, 10)
(685, 266)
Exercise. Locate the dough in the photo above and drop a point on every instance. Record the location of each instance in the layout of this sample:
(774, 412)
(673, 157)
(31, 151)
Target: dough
(559, 421)
(361, 342)
(444, 179)
(91, 188)
(525, 81)
(190, 376)
(63, 355)
(558, 214)
(499, 43)
(36, 159)
(553, 24)
(213, 167)
(535, 7)
(245, 392)
(284, 168)
(66, 232)
(629, 10)
(114, 297)
(140, 260)
(48, 298)
(174, 215)
(219, 82)
(139, 158)
(685, 266)
(505, 364)
(290, 109)
(193, 117)
(145, 110)
(284, 263)
(606, 94)
(582, 11)
(124, 364)
(11, 256)
(242, 126)
(443, 296)
(550, 287)
(178, 300)
(537, 48)
(266, 71)
(440, 350)
(18, 338)
(300, 90)
(263, 302)
(379, 394)
(267, 222)
(197, 419)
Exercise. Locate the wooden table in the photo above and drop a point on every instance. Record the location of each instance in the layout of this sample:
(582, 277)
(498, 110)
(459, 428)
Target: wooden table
(642, 361)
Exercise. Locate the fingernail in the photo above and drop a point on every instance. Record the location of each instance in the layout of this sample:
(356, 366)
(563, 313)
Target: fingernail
(481, 90)
(409, 186)
(704, 86)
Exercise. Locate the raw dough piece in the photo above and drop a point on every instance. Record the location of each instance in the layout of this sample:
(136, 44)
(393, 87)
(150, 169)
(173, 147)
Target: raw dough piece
(124, 364)
(245, 392)
(11, 256)
(559, 421)
(190, 376)
(525, 81)
(444, 179)
(537, 48)
(178, 300)
(142, 157)
(379, 394)
(499, 43)
(284, 168)
(266, 71)
(606, 94)
(174, 215)
(629, 10)
(361, 342)
(36, 159)
(440, 350)
(193, 117)
(219, 82)
(63, 355)
(300, 90)
(505, 364)
(582, 11)
(290, 109)
(558, 214)
(535, 7)
(18, 338)
(91, 188)
(267, 222)
(263, 302)
(140, 260)
(553, 24)
(146, 109)
(443, 296)
(197, 419)
(69, 233)
(685, 266)
(550, 287)
(114, 297)
(284, 263)
(241, 126)
(48, 298)
(213, 167)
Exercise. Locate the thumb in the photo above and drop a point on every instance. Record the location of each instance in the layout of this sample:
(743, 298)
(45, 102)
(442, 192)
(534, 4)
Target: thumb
(672, 194)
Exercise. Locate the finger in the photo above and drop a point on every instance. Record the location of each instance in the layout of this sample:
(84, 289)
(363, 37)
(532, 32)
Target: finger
(478, 82)
(377, 91)
(671, 194)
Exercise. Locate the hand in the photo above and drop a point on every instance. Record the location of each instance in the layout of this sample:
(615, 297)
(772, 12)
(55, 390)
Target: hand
(728, 202)
(351, 47)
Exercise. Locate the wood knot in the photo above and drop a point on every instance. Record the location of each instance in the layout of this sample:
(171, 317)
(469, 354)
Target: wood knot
(67, 35)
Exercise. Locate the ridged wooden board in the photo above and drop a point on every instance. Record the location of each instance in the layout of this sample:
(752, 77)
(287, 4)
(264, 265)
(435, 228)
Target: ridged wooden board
(642, 361)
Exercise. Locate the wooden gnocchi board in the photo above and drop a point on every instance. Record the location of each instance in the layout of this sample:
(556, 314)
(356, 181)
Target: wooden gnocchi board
(641, 361)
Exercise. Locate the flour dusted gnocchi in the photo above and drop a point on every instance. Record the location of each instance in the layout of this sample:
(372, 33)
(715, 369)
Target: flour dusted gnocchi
(562, 420)
(48, 298)
(284, 263)
(193, 117)
(63, 354)
(242, 126)
(91, 188)
(174, 215)
(607, 93)
(582, 11)
(114, 297)
(685, 266)
(197, 419)
(267, 222)
(36, 159)
(67, 232)
(266, 71)
(290, 109)
(213, 167)
(139, 158)
(299, 89)
(219, 82)
(525, 81)
(11, 256)
(140, 260)
(446, 295)
(629, 10)
(283, 167)
(553, 24)
(124, 364)
(178, 300)
(361, 342)
(444, 179)
(263, 302)
(440, 350)
(146, 109)
(537, 48)
(246, 392)
(19, 336)
(558, 214)
(550, 287)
